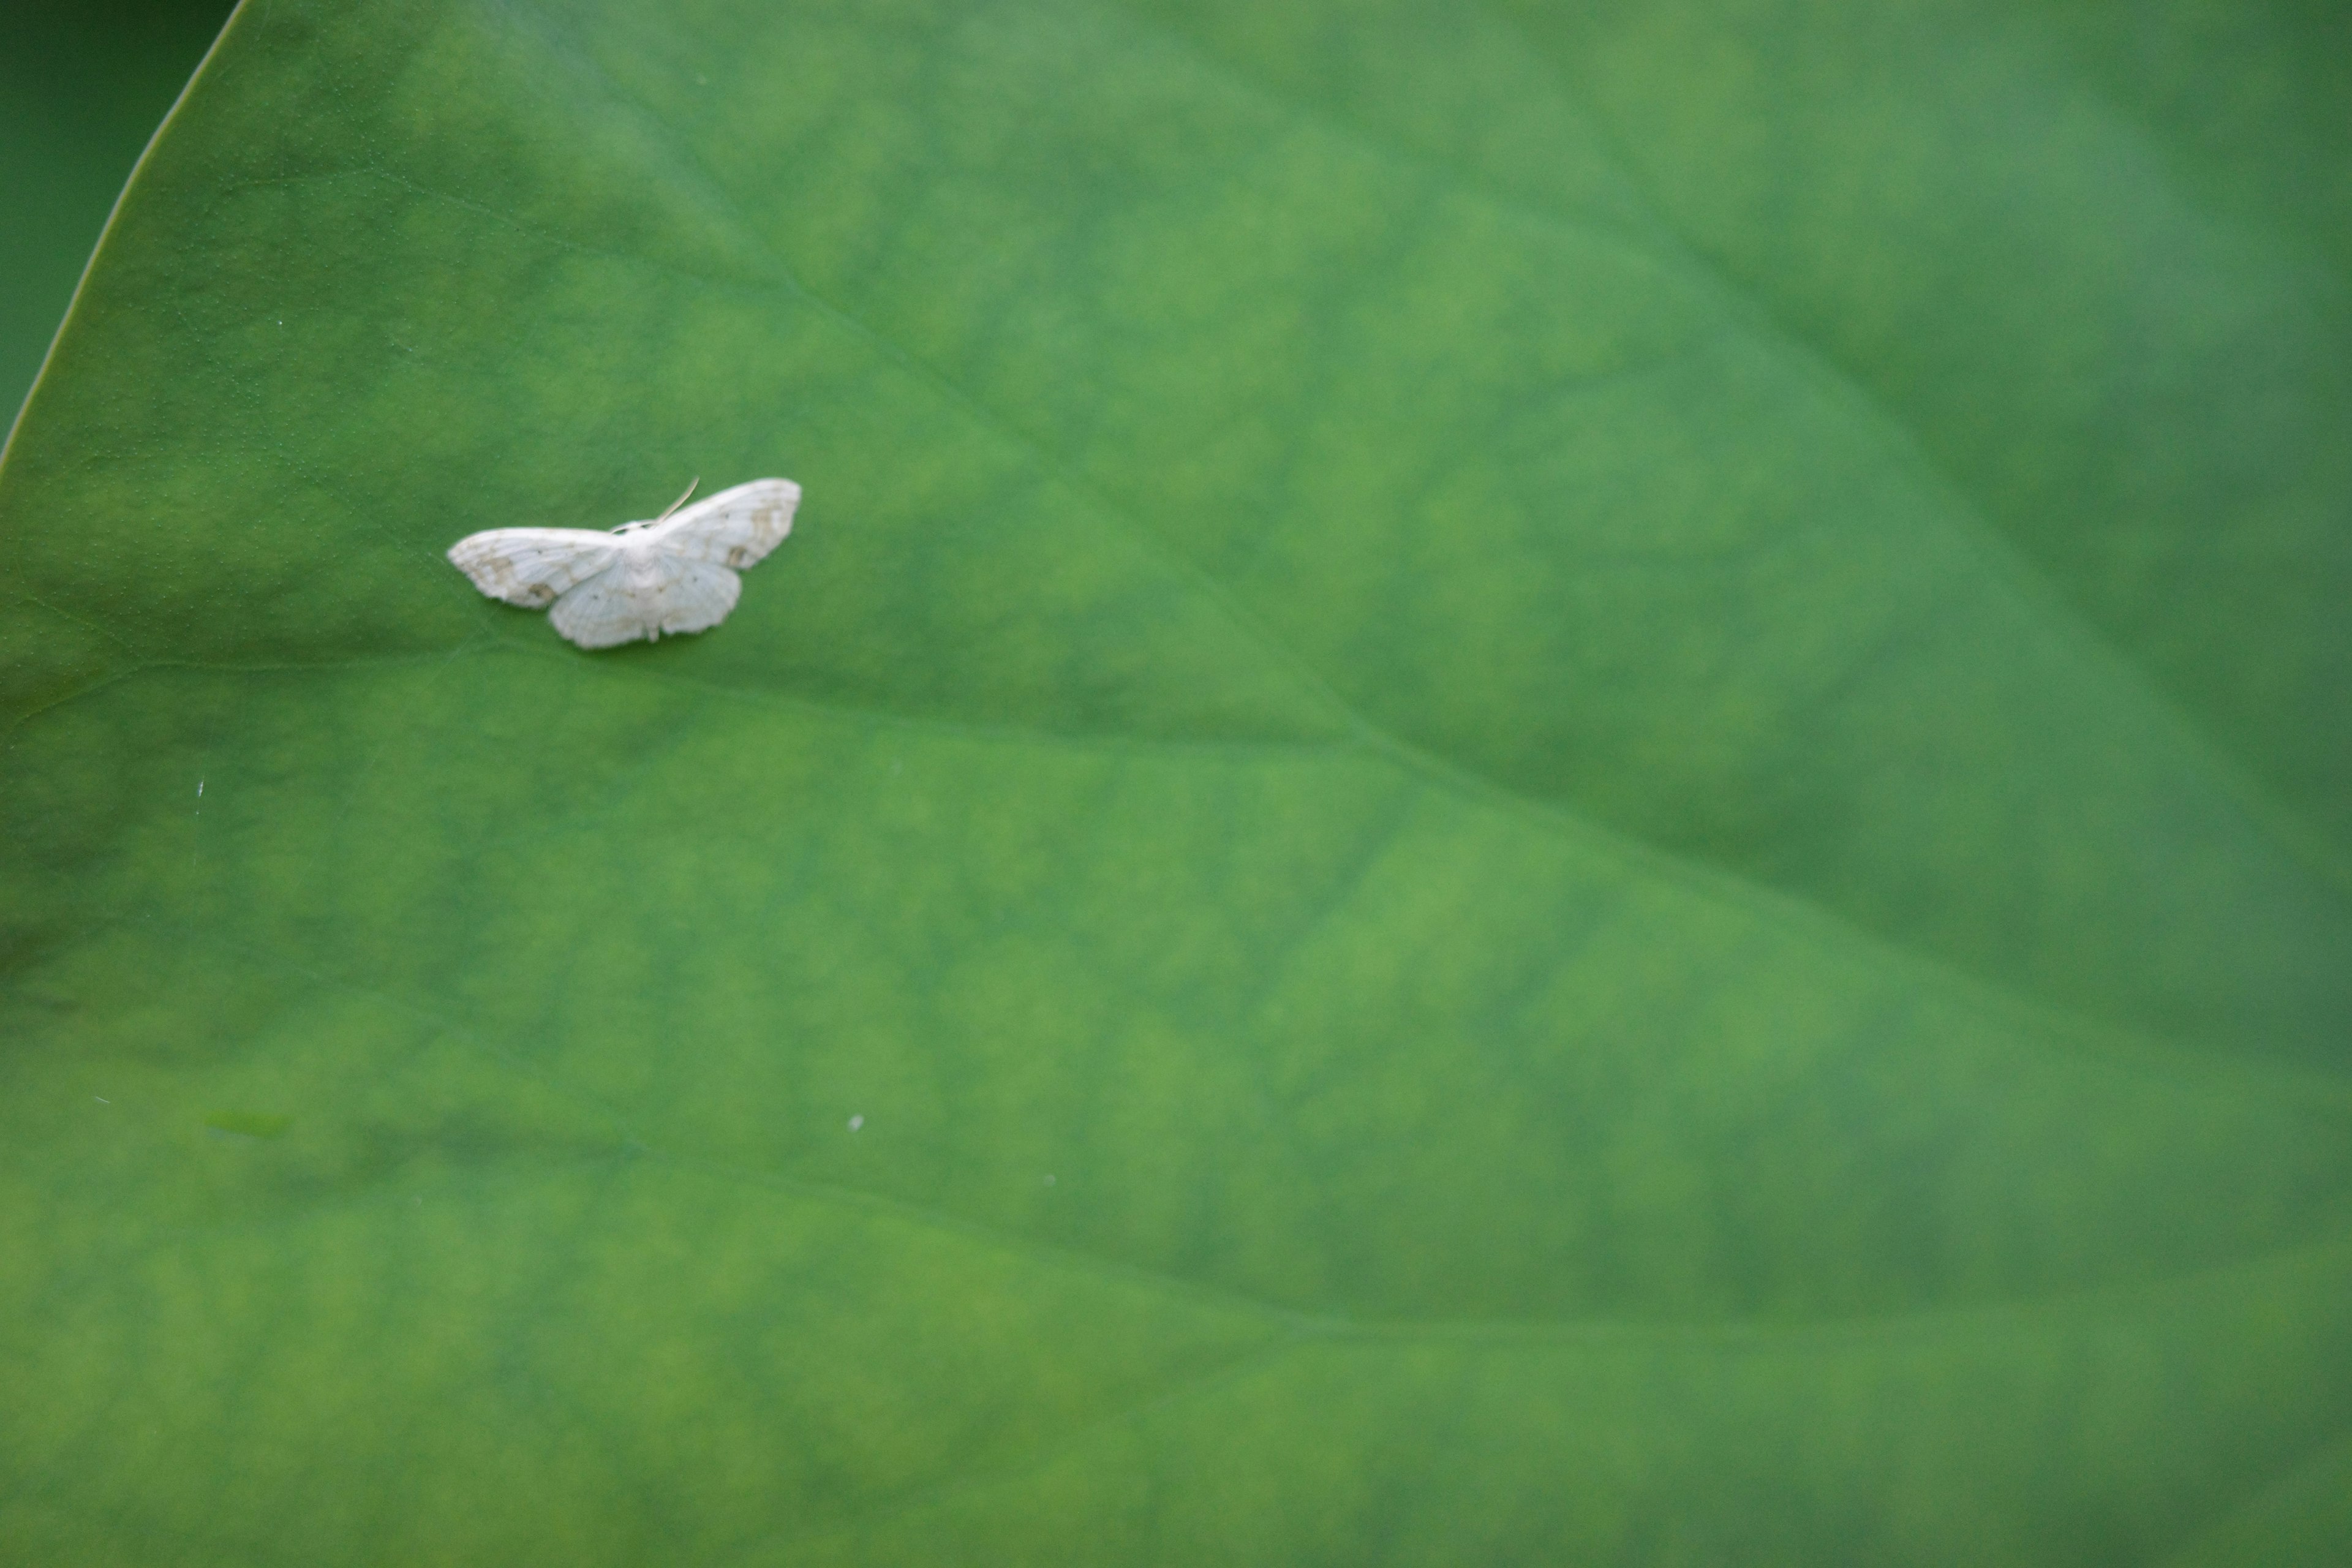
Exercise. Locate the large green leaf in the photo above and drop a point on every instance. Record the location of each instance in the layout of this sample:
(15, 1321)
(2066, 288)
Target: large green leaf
(1563, 782)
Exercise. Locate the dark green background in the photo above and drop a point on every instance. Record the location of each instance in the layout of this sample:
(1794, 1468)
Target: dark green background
(1540, 783)
(81, 87)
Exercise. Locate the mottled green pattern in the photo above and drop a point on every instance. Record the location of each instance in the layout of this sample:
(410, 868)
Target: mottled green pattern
(1533, 783)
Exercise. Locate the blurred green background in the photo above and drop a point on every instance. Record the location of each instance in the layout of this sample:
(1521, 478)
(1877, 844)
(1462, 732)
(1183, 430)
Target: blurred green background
(1559, 781)
(81, 88)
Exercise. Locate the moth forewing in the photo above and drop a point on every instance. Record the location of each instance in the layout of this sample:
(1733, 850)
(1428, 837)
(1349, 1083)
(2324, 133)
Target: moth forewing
(531, 566)
(736, 527)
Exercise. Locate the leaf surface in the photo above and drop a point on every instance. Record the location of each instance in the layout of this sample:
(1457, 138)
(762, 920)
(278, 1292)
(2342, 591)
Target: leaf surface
(1540, 783)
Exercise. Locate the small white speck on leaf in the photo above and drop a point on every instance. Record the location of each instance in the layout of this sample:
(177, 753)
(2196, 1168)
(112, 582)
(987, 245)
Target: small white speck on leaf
(200, 789)
(674, 573)
(102, 1100)
(1049, 1178)
(855, 1122)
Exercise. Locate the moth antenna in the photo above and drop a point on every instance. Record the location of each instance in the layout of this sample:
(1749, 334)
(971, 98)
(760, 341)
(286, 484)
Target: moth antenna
(678, 502)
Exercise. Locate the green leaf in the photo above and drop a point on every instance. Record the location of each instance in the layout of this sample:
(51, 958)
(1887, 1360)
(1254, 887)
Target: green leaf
(1553, 784)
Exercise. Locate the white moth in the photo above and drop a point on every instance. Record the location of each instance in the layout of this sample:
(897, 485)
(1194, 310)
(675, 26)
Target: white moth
(674, 573)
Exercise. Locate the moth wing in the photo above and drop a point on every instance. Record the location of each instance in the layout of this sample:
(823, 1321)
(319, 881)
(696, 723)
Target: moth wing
(605, 611)
(693, 595)
(734, 528)
(531, 566)
(664, 594)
